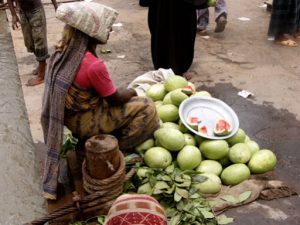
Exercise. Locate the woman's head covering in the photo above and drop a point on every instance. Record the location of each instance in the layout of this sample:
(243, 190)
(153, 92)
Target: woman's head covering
(91, 18)
(136, 209)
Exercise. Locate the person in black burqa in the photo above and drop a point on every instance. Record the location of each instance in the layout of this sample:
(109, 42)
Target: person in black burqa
(173, 28)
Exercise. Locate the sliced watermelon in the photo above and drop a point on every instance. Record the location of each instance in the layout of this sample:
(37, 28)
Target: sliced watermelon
(193, 122)
(203, 130)
(222, 127)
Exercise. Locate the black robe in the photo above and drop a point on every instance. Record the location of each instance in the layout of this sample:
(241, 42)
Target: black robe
(285, 18)
(173, 26)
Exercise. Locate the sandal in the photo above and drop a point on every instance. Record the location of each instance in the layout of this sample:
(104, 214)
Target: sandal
(287, 42)
(220, 24)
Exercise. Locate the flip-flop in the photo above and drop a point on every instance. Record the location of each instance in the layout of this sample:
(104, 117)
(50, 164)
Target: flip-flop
(202, 32)
(288, 42)
(34, 81)
(220, 24)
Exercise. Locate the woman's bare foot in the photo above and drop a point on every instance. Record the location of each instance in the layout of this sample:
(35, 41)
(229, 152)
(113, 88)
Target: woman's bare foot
(35, 81)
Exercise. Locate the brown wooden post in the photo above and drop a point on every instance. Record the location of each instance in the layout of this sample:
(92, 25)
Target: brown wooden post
(102, 156)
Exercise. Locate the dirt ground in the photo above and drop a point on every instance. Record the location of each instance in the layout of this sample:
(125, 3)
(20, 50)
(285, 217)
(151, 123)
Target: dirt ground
(241, 58)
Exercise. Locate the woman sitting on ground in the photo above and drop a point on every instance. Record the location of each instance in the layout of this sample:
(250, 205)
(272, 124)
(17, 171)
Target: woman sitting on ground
(80, 94)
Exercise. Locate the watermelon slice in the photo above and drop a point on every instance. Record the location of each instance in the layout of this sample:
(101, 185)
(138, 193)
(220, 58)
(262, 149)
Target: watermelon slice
(203, 130)
(193, 122)
(222, 127)
(188, 90)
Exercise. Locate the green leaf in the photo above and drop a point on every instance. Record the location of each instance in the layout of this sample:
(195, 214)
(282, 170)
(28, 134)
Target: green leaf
(182, 192)
(190, 172)
(101, 219)
(76, 223)
(185, 184)
(230, 198)
(177, 197)
(199, 178)
(244, 196)
(195, 195)
(170, 169)
(159, 186)
(179, 178)
(224, 220)
(170, 190)
(166, 178)
(152, 180)
(207, 214)
(175, 220)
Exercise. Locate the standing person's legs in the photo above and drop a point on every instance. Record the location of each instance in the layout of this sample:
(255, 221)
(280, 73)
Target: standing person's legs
(221, 16)
(202, 19)
(37, 21)
(297, 33)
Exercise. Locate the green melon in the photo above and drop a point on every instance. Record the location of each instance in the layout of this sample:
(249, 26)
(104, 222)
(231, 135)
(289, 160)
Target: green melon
(262, 161)
(214, 149)
(156, 92)
(235, 174)
(239, 153)
(238, 137)
(170, 138)
(175, 82)
(168, 113)
(210, 166)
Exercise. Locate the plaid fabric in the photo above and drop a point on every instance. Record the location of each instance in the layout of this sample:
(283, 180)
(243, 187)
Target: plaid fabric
(285, 18)
(134, 209)
(60, 75)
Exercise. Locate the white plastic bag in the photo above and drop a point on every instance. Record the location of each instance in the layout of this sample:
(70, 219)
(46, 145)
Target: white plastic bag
(143, 82)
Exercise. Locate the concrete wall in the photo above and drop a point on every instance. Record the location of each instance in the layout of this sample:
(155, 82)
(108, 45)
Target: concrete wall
(20, 190)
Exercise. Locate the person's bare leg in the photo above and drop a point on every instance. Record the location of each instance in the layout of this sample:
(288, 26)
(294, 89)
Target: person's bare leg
(40, 76)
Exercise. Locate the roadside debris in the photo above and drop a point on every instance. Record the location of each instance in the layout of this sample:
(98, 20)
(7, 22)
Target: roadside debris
(245, 94)
(244, 19)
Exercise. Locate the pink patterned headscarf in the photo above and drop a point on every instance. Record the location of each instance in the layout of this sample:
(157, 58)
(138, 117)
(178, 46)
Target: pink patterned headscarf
(136, 209)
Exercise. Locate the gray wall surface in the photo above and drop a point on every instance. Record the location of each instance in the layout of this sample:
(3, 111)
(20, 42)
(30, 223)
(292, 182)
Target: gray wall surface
(20, 190)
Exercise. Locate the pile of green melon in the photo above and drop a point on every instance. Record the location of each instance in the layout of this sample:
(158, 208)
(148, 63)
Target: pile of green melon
(229, 161)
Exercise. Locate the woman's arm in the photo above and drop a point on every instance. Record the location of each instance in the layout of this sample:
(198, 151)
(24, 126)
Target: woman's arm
(121, 96)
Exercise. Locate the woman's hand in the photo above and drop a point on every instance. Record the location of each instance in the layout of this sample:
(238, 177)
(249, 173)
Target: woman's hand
(121, 96)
